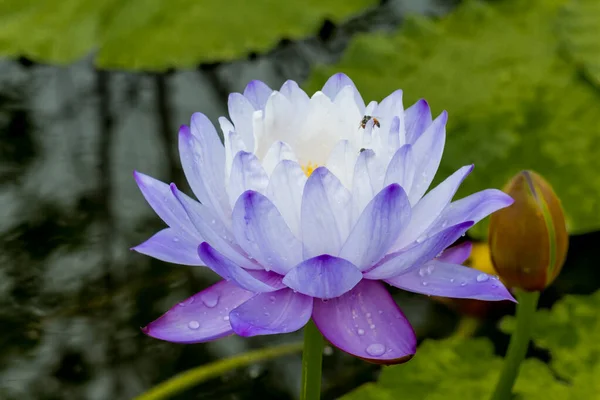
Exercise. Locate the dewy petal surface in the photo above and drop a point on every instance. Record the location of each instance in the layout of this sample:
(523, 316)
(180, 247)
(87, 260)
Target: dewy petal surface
(437, 278)
(397, 263)
(282, 311)
(367, 323)
(255, 281)
(261, 231)
(202, 317)
(323, 276)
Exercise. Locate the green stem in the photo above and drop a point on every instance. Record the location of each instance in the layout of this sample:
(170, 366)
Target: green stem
(195, 376)
(312, 360)
(518, 344)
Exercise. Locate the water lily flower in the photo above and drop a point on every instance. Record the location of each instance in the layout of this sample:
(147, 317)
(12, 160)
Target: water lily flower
(307, 210)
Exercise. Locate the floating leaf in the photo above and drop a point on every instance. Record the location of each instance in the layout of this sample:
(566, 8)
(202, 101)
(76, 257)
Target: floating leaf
(514, 102)
(579, 25)
(158, 34)
(457, 369)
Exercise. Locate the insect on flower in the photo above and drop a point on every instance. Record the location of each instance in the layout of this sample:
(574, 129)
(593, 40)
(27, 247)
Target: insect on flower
(302, 225)
(366, 119)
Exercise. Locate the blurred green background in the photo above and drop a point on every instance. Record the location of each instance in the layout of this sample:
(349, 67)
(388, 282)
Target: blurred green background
(90, 91)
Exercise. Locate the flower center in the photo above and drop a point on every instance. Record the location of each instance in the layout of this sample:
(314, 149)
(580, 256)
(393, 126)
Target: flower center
(309, 168)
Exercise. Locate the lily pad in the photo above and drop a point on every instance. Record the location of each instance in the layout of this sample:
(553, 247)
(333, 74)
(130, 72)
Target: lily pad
(159, 34)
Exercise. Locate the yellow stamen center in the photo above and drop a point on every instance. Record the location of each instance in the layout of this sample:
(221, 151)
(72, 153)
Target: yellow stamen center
(309, 168)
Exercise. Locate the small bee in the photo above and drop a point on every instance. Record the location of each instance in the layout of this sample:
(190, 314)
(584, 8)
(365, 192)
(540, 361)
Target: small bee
(365, 120)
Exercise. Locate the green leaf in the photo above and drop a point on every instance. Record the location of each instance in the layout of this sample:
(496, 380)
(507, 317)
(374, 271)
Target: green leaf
(158, 34)
(514, 103)
(579, 25)
(570, 332)
(457, 369)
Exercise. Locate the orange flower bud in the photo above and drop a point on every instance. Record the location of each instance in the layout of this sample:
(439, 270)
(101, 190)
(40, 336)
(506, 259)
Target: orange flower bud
(528, 240)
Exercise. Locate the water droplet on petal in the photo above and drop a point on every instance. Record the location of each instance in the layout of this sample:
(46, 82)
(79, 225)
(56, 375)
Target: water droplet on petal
(372, 326)
(272, 298)
(422, 272)
(482, 277)
(430, 269)
(424, 283)
(213, 221)
(368, 315)
(360, 332)
(375, 349)
(176, 239)
(451, 280)
(226, 318)
(463, 283)
(210, 299)
(194, 325)
(380, 312)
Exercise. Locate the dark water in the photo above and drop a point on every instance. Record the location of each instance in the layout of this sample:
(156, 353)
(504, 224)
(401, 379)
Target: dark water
(72, 296)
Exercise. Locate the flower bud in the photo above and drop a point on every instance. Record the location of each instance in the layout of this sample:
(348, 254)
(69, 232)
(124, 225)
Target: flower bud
(528, 240)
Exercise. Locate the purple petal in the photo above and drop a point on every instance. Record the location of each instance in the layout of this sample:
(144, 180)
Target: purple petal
(255, 281)
(401, 169)
(429, 208)
(203, 161)
(391, 106)
(417, 118)
(261, 232)
(457, 254)
(414, 257)
(162, 201)
(169, 246)
(367, 323)
(427, 152)
(246, 174)
(285, 190)
(295, 94)
(213, 230)
(200, 318)
(257, 93)
(282, 311)
(452, 280)
(394, 134)
(323, 276)
(336, 83)
(377, 228)
(473, 208)
(240, 111)
(325, 214)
